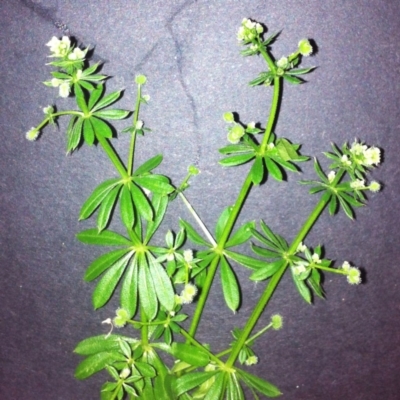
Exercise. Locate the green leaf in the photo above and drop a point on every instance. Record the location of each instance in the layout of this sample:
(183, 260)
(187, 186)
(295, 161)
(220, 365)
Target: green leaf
(126, 207)
(107, 100)
(236, 160)
(100, 343)
(162, 284)
(104, 238)
(333, 205)
(257, 171)
(190, 354)
(154, 183)
(160, 204)
(215, 391)
(292, 79)
(74, 134)
(112, 114)
(263, 252)
(221, 223)
(97, 196)
(241, 235)
(141, 202)
(302, 288)
(346, 208)
(315, 282)
(88, 132)
(234, 390)
(236, 148)
(147, 294)
(300, 71)
(80, 98)
(100, 264)
(107, 207)
(95, 95)
(230, 287)
(96, 363)
(146, 370)
(261, 385)
(129, 289)
(267, 270)
(193, 235)
(246, 261)
(190, 381)
(273, 169)
(319, 172)
(149, 165)
(109, 281)
(271, 236)
(101, 128)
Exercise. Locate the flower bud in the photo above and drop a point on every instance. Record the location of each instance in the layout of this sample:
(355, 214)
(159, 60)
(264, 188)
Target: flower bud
(140, 79)
(32, 134)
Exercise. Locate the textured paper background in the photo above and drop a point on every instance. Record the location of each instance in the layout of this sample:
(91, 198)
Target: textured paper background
(346, 347)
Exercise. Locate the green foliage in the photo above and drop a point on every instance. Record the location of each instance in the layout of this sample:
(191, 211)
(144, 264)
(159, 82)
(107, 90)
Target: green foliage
(155, 282)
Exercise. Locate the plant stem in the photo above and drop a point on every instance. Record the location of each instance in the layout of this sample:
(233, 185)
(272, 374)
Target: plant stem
(214, 264)
(273, 283)
(133, 138)
(112, 155)
(144, 329)
(239, 202)
(198, 219)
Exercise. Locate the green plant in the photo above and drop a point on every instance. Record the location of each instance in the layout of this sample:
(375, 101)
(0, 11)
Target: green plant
(156, 281)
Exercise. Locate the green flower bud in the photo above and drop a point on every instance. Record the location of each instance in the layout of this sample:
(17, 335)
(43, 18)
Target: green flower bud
(228, 117)
(235, 133)
(193, 170)
(305, 48)
(277, 322)
(140, 79)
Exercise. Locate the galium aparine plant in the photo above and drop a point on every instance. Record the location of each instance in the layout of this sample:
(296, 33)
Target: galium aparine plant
(156, 281)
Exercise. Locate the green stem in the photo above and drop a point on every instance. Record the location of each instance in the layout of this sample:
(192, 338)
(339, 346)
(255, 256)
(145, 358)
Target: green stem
(214, 264)
(144, 328)
(272, 116)
(273, 283)
(133, 138)
(112, 155)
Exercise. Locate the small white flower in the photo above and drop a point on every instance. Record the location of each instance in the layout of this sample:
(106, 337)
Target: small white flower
(315, 258)
(146, 98)
(301, 248)
(331, 176)
(345, 160)
(188, 293)
(252, 360)
(283, 63)
(251, 125)
(346, 266)
(372, 156)
(125, 373)
(48, 110)
(299, 269)
(358, 149)
(353, 276)
(64, 89)
(77, 54)
(358, 184)
(32, 134)
(139, 124)
(56, 82)
(59, 48)
(270, 146)
(188, 255)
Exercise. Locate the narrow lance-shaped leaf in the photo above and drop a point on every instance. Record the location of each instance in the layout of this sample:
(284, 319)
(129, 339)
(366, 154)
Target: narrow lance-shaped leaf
(107, 207)
(221, 223)
(141, 202)
(88, 132)
(261, 385)
(147, 294)
(160, 204)
(109, 281)
(129, 289)
(190, 354)
(126, 207)
(162, 283)
(96, 198)
(104, 238)
(107, 100)
(149, 165)
(230, 287)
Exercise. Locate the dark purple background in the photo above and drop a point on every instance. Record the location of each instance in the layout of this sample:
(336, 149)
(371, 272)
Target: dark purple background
(346, 347)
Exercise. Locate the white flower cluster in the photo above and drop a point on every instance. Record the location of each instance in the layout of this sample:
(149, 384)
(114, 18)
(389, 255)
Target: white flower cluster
(61, 48)
(187, 295)
(364, 155)
(353, 273)
(64, 86)
(249, 30)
